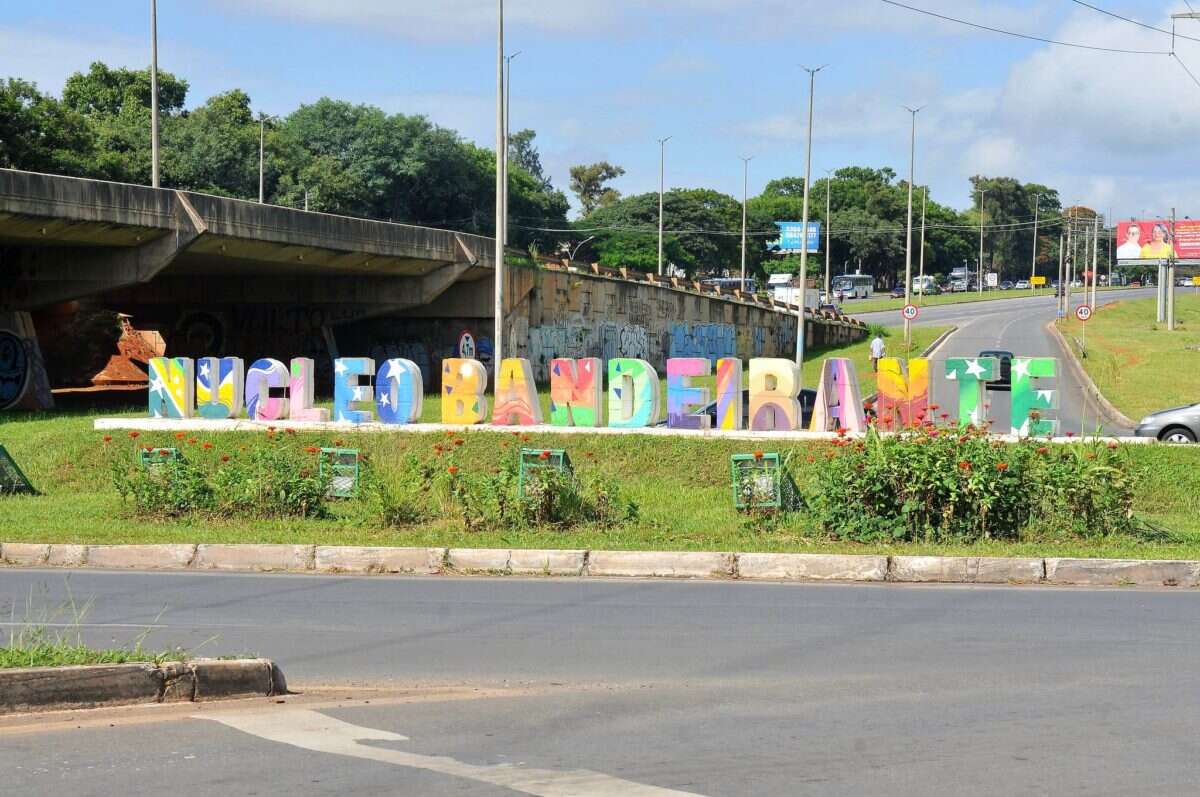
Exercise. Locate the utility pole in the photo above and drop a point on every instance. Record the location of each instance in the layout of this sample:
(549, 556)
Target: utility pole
(1171, 278)
(1061, 253)
(1095, 257)
(828, 230)
(982, 191)
(507, 130)
(1037, 201)
(924, 202)
(745, 199)
(800, 331)
(262, 138)
(912, 167)
(1066, 283)
(662, 155)
(154, 153)
(501, 209)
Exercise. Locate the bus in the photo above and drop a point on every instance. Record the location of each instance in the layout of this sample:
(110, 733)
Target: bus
(730, 283)
(854, 286)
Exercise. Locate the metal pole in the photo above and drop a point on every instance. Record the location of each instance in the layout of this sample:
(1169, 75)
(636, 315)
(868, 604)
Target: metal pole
(1037, 201)
(262, 136)
(982, 191)
(501, 210)
(912, 167)
(1171, 279)
(924, 202)
(1058, 299)
(154, 152)
(507, 105)
(745, 199)
(828, 230)
(662, 156)
(1095, 257)
(800, 342)
(1066, 283)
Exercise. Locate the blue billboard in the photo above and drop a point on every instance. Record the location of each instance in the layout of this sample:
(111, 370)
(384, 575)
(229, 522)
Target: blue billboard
(791, 236)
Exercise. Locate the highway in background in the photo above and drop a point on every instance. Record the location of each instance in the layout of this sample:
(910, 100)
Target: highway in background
(1019, 326)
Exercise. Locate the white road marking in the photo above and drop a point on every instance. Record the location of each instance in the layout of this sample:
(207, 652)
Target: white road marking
(311, 730)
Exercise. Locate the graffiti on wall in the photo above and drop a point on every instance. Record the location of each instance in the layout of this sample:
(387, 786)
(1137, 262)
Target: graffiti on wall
(710, 341)
(14, 369)
(579, 339)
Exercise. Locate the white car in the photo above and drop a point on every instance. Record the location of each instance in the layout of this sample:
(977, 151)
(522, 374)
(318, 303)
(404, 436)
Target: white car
(1022, 285)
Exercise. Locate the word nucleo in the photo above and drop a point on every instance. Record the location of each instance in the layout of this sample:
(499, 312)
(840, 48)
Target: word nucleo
(393, 391)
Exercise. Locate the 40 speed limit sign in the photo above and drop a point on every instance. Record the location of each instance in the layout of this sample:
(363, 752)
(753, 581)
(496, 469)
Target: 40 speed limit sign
(910, 312)
(1083, 312)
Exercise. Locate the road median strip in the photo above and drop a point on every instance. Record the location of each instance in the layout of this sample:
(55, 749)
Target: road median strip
(94, 685)
(332, 560)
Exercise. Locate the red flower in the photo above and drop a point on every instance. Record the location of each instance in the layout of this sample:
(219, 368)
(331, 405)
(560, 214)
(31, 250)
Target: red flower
(544, 455)
(867, 405)
(224, 457)
(589, 454)
(337, 442)
(524, 438)
(311, 449)
(135, 435)
(1091, 455)
(934, 407)
(812, 458)
(758, 455)
(453, 469)
(841, 432)
(963, 464)
(180, 435)
(1001, 466)
(1070, 434)
(290, 431)
(206, 446)
(458, 442)
(191, 441)
(1043, 450)
(438, 447)
(1112, 444)
(944, 415)
(504, 444)
(270, 428)
(108, 438)
(933, 433)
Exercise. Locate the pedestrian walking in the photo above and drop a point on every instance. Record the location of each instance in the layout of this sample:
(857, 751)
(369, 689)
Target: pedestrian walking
(876, 351)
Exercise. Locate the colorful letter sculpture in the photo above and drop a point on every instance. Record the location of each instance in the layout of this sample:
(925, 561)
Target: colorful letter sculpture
(516, 395)
(774, 387)
(463, 384)
(632, 393)
(220, 382)
(267, 376)
(172, 387)
(399, 392)
(971, 373)
(839, 403)
(730, 404)
(1028, 398)
(682, 396)
(575, 391)
(300, 395)
(903, 398)
(348, 392)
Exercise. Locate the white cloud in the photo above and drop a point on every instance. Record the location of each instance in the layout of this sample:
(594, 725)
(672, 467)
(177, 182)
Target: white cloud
(49, 59)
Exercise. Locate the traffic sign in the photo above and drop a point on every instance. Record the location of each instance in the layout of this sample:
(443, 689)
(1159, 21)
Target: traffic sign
(1083, 312)
(1037, 282)
(910, 312)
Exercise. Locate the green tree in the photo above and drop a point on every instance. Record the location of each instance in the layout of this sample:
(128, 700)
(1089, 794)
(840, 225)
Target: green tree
(588, 183)
(37, 133)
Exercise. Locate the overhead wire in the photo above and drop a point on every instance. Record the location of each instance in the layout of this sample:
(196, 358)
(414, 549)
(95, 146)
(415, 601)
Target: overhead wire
(1131, 21)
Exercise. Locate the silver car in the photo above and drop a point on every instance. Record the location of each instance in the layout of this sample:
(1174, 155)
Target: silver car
(1177, 425)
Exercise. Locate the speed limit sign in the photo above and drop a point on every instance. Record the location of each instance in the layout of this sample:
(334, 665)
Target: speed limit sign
(1083, 312)
(910, 312)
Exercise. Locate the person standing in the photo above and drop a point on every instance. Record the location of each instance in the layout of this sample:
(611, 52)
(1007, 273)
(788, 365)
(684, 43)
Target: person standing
(876, 351)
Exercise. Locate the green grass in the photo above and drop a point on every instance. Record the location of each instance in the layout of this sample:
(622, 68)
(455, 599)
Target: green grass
(1138, 365)
(61, 654)
(877, 305)
(681, 484)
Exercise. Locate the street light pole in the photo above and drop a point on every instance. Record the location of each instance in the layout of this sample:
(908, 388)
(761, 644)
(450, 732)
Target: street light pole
(924, 202)
(501, 208)
(828, 229)
(662, 156)
(154, 154)
(507, 106)
(800, 331)
(745, 199)
(912, 167)
(262, 138)
(1037, 201)
(982, 191)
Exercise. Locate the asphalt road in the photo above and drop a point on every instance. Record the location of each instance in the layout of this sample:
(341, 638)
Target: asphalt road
(637, 688)
(1019, 326)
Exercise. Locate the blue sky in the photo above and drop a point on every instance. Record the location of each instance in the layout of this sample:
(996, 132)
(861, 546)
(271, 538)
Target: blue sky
(603, 79)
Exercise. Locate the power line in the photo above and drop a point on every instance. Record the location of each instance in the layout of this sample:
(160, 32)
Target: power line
(837, 231)
(1185, 69)
(1024, 35)
(1134, 21)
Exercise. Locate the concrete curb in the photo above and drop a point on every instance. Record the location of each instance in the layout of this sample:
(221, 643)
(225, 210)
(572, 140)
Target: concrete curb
(1113, 415)
(749, 566)
(91, 686)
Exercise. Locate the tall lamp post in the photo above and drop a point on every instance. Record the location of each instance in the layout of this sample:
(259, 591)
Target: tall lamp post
(745, 199)
(507, 129)
(828, 229)
(912, 165)
(812, 75)
(1037, 201)
(662, 156)
(982, 191)
(924, 203)
(501, 209)
(154, 155)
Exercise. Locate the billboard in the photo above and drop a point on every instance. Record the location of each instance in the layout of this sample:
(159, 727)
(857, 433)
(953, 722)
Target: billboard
(791, 236)
(1154, 239)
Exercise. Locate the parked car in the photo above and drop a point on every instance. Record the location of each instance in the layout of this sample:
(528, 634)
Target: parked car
(958, 286)
(1176, 425)
(898, 292)
(1006, 285)
(1183, 282)
(1005, 358)
(1022, 285)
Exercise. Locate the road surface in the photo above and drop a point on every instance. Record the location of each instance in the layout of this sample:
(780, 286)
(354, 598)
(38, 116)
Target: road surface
(654, 688)
(1019, 326)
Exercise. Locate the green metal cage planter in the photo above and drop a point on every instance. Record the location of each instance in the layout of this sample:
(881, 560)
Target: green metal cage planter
(341, 467)
(535, 459)
(158, 456)
(759, 482)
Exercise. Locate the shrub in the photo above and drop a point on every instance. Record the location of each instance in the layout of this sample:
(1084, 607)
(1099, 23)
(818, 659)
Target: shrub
(403, 501)
(956, 485)
(166, 489)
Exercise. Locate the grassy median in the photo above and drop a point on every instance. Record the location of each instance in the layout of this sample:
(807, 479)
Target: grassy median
(1138, 365)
